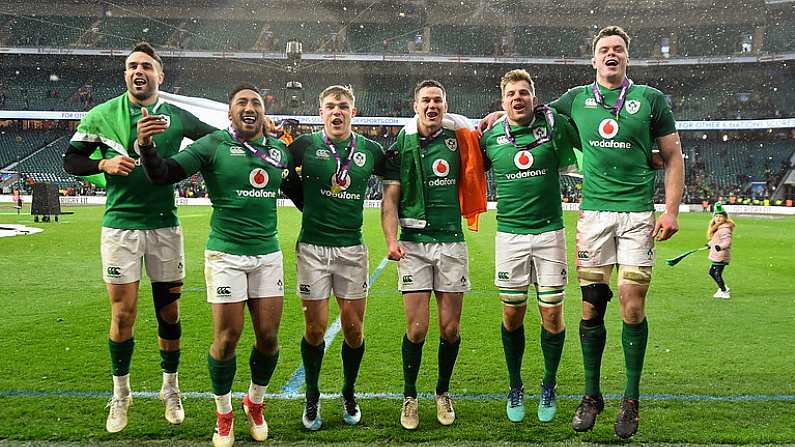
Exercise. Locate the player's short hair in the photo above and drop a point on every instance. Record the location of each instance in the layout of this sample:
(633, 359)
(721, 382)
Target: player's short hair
(429, 83)
(337, 91)
(146, 48)
(242, 86)
(610, 31)
(516, 76)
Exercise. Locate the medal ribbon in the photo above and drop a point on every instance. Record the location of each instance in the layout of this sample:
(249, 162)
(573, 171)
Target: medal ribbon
(342, 168)
(264, 156)
(616, 109)
(550, 119)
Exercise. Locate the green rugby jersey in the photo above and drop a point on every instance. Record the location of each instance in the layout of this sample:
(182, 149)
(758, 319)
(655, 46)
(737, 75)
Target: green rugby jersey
(133, 203)
(334, 218)
(617, 172)
(528, 181)
(441, 165)
(242, 188)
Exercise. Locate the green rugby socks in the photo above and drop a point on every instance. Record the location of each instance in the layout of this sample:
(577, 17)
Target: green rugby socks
(634, 338)
(513, 343)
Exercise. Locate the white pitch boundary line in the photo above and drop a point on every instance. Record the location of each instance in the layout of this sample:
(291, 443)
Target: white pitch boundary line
(297, 378)
(399, 396)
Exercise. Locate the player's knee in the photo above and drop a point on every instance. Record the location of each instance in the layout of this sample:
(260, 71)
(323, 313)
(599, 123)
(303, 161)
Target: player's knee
(353, 335)
(513, 317)
(268, 343)
(634, 275)
(416, 332)
(314, 333)
(597, 295)
(450, 331)
(594, 275)
(226, 341)
(124, 317)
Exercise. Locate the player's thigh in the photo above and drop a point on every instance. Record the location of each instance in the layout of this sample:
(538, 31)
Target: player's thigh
(351, 270)
(635, 239)
(512, 266)
(550, 268)
(415, 269)
(225, 276)
(164, 255)
(596, 238)
(451, 269)
(121, 252)
(313, 271)
(266, 277)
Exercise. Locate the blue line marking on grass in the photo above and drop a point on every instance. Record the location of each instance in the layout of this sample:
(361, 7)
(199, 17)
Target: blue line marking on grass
(297, 379)
(399, 396)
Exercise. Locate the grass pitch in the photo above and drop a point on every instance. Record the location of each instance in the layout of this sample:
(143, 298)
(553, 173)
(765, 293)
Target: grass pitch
(715, 372)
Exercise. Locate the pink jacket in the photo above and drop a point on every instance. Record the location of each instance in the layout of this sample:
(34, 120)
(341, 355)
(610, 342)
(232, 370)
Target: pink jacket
(723, 239)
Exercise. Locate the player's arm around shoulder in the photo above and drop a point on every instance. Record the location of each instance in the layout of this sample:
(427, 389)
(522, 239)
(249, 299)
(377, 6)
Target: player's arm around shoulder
(567, 141)
(192, 126)
(291, 184)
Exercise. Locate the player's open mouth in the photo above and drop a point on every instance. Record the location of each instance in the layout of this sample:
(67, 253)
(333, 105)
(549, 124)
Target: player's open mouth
(518, 107)
(336, 122)
(249, 119)
(139, 82)
(432, 115)
(611, 62)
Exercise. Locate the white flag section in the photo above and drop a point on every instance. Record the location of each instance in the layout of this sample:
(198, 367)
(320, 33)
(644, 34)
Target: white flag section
(211, 112)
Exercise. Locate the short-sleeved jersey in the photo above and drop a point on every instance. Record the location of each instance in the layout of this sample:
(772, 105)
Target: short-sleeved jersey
(134, 203)
(441, 165)
(242, 188)
(528, 181)
(617, 170)
(331, 217)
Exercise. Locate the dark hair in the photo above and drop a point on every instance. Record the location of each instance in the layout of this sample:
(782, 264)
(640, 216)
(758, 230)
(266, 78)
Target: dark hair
(428, 83)
(144, 47)
(240, 87)
(610, 31)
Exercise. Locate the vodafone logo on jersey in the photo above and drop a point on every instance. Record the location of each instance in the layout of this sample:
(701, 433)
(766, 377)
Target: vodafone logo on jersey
(523, 159)
(258, 178)
(441, 168)
(608, 128)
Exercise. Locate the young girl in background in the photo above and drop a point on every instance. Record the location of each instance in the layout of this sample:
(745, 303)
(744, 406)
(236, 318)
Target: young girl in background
(719, 234)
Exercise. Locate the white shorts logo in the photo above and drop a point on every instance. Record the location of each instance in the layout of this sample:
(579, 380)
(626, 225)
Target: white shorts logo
(633, 106)
(441, 168)
(258, 178)
(608, 128)
(360, 158)
(276, 155)
(523, 159)
(340, 186)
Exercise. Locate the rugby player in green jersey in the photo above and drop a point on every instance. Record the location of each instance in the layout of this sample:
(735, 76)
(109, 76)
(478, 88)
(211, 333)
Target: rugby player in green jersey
(618, 123)
(140, 221)
(432, 256)
(243, 170)
(527, 150)
(336, 164)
